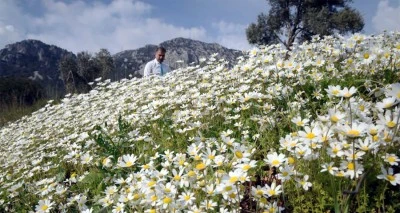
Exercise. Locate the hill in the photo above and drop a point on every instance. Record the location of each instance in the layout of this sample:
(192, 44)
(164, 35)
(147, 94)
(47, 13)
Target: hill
(35, 60)
(315, 129)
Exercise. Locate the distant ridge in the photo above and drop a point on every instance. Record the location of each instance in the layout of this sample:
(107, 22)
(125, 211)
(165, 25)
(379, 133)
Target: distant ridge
(39, 61)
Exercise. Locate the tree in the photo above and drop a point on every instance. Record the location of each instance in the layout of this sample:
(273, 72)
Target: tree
(76, 73)
(289, 20)
(88, 68)
(74, 83)
(105, 62)
(18, 91)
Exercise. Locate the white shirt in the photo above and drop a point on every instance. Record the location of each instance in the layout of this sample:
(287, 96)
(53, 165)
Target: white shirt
(154, 68)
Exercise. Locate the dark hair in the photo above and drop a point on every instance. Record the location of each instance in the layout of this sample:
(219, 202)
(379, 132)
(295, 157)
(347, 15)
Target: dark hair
(162, 49)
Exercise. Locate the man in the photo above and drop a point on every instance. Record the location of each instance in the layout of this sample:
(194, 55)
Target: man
(156, 66)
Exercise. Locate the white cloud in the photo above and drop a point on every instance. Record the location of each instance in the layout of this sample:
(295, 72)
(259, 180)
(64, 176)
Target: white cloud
(231, 35)
(9, 23)
(79, 25)
(386, 17)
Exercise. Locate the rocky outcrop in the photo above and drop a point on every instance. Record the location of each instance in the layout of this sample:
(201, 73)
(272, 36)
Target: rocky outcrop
(35, 60)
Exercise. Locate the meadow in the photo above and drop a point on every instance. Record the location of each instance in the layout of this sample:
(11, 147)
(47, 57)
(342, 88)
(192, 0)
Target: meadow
(310, 130)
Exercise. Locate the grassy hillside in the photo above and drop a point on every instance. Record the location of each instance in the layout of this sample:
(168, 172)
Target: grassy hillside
(19, 97)
(312, 130)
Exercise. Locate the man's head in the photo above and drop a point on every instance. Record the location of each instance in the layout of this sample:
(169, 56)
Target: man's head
(160, 54)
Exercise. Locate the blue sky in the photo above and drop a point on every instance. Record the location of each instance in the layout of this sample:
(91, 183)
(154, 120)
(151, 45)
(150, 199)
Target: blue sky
(117, 25)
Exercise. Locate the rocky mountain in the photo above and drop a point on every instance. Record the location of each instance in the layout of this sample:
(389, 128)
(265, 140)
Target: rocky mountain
(38, 61)
(35, 60)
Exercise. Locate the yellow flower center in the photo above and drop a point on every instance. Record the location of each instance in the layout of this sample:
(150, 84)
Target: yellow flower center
(390, 124)
(299, 123)
(152, 211)
(228, 188)
(335, 92)
(151, 183)
(271, 192)
(291, 160)
(391, 159)
(233, 179)
(246, 167)
(366, 55)
(310, 135)
(177, 178)
(347, 95)
(373, 131)
(387, 138)
(340, 174)
(353, 133)
(129, 164)
(200, 166)
(390, 177)
(350, 166)
(334, 118)
(191, 173)
(275, 163)
(167, 200)
(259, 192)
(44, 207)
(350, 61)
(239, 154)
(181, 162)
(361, 107)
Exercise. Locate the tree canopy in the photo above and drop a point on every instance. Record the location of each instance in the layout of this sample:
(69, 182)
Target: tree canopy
(288, 20)
(77, 72)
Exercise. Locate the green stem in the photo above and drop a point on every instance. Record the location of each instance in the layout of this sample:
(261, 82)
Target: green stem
(382, 197)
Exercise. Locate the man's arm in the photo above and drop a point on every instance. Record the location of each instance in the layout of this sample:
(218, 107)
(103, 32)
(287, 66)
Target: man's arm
(147, 70)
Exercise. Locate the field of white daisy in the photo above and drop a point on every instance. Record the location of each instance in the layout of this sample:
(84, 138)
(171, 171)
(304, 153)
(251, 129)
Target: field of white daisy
(311, 130)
